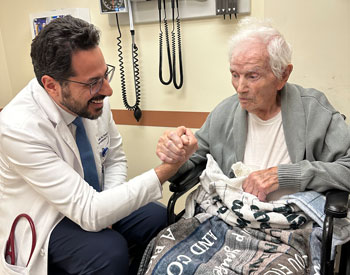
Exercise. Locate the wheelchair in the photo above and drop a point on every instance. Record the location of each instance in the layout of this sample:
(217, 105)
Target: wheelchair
(336, 207)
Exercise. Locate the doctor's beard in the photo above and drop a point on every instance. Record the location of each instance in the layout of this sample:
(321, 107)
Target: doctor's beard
(80, 108)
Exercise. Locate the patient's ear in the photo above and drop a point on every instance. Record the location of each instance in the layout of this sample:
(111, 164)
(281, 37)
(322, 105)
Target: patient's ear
(285, 76)
(52, 86)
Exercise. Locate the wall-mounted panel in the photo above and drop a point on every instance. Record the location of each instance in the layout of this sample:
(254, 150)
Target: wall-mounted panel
(147, 11)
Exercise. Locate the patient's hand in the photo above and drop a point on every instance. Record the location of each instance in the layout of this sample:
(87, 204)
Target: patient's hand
(176, 145)
(261, 183)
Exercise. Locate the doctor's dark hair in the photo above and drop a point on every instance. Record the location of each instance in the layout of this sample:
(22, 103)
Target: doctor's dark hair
(53, 47)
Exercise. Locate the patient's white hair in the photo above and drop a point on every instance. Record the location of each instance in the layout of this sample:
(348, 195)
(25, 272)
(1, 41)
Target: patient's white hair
(279, 50)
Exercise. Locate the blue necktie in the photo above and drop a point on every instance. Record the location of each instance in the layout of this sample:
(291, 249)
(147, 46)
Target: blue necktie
(86, 155)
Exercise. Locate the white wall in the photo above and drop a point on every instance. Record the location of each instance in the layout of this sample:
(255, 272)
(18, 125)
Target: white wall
(318, 30)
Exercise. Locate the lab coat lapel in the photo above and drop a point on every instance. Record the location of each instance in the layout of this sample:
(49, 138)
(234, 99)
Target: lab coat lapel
(49, 108)
(63, 131)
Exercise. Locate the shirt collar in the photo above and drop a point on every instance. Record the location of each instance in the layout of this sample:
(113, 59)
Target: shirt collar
(67, 117)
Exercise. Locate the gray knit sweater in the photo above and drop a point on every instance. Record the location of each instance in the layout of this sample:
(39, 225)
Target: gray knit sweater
(317, 138)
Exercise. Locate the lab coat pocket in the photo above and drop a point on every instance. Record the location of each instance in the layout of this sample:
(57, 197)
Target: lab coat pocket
(6, 268)
(16, 270)
(11, 250)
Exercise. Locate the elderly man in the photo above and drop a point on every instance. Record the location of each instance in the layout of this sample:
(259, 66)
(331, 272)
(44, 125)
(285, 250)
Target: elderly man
(290, 136)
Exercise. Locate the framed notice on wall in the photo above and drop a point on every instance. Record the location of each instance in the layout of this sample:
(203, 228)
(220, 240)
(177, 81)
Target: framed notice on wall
(39, 20)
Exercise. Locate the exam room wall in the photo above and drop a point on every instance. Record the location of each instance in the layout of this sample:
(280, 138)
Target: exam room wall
(319, 32)
(6, 91)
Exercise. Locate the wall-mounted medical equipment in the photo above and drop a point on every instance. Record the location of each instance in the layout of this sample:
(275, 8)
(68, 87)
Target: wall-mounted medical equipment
(175, 42)
(117, 7)
(113, 6)
(227, 7)
(143, 11)
(164, 20)
(41, 19)
(147, 11)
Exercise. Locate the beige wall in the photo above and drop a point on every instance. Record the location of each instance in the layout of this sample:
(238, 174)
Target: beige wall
(318, 31)
(6, 90)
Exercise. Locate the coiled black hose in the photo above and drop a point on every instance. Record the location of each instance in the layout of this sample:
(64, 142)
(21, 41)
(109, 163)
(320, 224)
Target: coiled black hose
(135, 107)
(173, 42)
(166, 28)
(177, 85)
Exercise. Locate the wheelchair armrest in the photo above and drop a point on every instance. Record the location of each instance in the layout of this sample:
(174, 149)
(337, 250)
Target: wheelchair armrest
(179, 186)
(336, 203)
(336, 206)
(187, 180)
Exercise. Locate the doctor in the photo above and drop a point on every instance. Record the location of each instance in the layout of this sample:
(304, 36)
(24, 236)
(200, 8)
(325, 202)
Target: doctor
(86, 218)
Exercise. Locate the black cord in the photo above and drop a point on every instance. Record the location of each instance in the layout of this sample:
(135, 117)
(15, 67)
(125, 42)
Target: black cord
(178, 28)
(135, 107)
(161, 44)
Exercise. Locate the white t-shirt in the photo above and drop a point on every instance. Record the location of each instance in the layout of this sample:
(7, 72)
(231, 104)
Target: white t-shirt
(266, 147)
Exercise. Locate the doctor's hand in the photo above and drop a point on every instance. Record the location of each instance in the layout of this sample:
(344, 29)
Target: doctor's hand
(261, 183)
(176, 146)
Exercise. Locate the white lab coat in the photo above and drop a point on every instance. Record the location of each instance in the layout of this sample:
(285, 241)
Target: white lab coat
(41, 175)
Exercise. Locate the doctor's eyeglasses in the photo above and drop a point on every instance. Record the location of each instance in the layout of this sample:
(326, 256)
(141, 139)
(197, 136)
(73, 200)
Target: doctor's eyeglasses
(96, 85)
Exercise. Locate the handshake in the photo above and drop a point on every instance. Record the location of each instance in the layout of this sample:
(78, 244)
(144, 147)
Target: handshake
(176, 146)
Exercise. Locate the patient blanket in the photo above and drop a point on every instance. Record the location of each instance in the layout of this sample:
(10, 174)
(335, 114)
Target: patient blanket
(208, 245)
(235, 233)
(222, 196)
